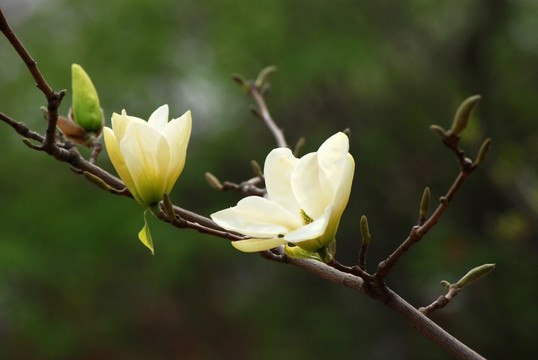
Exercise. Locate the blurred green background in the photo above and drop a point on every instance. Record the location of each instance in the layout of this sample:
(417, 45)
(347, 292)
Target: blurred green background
(75, 283)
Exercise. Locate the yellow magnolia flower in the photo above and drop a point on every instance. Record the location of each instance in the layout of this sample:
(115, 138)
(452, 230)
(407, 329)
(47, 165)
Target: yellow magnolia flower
(305, 199)
(148, 156)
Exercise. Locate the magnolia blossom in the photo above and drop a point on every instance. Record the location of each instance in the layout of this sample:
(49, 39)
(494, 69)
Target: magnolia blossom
(148, 156)
(305, 199)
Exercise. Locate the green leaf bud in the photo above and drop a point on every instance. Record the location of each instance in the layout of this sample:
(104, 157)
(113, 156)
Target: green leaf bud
(97, 181)
(298, 149)
(425, 203)
(445, 284)
(86, 110)
(256, 168)
(241, 81)
(365, 231)
(439, 131)
(483, 152)
(263, 77)
(213, 181)
(168, 208)
(475, 274)
(461, 119)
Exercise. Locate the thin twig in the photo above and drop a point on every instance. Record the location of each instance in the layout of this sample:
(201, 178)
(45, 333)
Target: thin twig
(419, 231)
(266, 117)
(248, 187)
(441, 301)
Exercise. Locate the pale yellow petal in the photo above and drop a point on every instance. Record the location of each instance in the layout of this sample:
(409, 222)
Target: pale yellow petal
(255, 245)
(177, 133)
(258, 217)
(159, 118)
(279, 165)
(312, 197)
(116, 157)
(147, 156)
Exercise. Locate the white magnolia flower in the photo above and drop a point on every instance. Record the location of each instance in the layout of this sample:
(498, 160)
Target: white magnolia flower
(148, 156)
(305, 199)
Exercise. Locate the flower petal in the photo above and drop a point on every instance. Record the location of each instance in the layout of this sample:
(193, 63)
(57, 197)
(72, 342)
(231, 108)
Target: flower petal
(257, 216)
(177, 133)
(121, 122)
(116, 157)
(147, 156)
(255, 245)
(309, 236)
(341, 197)
(159, 118)
(331, 157)
(279, 165)
(312, 197)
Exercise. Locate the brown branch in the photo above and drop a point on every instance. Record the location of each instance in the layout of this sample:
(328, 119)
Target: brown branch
(388, 297)
(248, 187)
(441, 301)
(419, 231)
(266, 116)
(351, 277)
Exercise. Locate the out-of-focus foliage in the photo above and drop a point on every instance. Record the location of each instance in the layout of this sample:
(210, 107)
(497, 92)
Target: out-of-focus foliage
(76, 283)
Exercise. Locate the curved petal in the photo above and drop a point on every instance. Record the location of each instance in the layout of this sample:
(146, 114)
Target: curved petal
(344, 189)
(255, 245)
(121, 122)
(177, 133)
(147, 155)
(257, 216)
(341, 197)
(159, 118)
(309, 236)
(279, 165)
(331, 157)
(116, 157)
(308, 191)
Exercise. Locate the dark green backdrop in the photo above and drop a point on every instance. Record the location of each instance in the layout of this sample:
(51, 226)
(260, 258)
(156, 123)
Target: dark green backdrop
(75, 283)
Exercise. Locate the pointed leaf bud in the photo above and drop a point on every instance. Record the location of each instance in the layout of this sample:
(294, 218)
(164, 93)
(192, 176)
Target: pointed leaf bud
(98, 181)
(445, 284)
(463, 113)
(439, 131)
(483, 152)
(168, 208)
(213, 181)
(475, 274)
(299, 147)
(365, 231)
(264, 76)
(241, 81)
(86, 110)
(425, 203)
(256, 168)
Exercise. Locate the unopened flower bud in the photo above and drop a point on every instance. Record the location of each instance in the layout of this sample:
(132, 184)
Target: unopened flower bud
(86, 110)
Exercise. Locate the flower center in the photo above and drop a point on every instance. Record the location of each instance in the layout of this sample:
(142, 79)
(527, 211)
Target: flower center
(306, 219)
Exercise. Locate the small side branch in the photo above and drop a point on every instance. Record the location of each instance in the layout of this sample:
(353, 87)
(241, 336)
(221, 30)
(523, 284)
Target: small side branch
(266, 117)
(441, 301)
